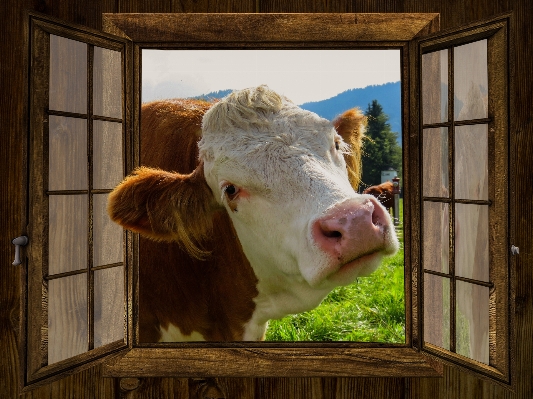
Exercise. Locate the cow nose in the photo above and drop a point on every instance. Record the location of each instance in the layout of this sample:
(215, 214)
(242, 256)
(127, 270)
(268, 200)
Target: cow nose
(352, 228)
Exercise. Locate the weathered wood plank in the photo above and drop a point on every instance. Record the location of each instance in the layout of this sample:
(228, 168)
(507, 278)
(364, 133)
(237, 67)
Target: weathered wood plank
(456, 384)
(272, 362)
(257, 28)
(243, 6)
(316, 6)
(79, 12)
(521, 208)
(13, 80)
(142, 6)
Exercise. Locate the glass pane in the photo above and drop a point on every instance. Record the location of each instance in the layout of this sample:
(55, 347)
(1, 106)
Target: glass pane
(107, 83)
(470, 81)
(437, 310)
(472, 241)
(435, 87)
(108, 306)
(68, 75)
(67, 238)
(107, 236)
(107, 154)
(435, 169)
(67, 153)
(67, 317)
(436, 236)
(471, 162)
(472, 321)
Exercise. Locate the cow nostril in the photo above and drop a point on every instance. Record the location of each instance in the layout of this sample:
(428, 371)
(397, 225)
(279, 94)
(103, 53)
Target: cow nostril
(379, 217)
(376, 219)
(332, 234)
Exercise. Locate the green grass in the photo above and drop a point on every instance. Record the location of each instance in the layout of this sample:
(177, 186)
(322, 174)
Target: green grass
(369, 310)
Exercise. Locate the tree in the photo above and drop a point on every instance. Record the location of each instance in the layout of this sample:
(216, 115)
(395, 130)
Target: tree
(380, 146)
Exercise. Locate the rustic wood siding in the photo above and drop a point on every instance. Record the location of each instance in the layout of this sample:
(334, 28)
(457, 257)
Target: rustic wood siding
(89, 383)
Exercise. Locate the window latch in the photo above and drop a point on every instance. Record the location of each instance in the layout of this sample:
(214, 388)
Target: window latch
(515, 250)
(19, 242)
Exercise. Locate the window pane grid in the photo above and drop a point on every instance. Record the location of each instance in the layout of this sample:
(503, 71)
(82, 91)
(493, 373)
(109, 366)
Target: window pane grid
(452, 199)
(58, 278)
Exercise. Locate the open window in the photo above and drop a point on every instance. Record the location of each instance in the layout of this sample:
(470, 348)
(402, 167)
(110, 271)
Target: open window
(83, 273)
(464, 179)
(76, 291)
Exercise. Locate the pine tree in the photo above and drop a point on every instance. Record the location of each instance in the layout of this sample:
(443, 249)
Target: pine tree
(380, 147)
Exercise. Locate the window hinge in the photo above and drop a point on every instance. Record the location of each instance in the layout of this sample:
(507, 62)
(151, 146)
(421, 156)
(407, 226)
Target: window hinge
(515, 250)
(19, 242)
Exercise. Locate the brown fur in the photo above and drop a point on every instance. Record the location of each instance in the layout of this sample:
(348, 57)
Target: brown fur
(383, 193)
(200, 281)
(350, 126)
(166, 206)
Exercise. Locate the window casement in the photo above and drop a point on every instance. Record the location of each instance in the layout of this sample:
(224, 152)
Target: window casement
(77, 256)
(82, 273)
(465, 246)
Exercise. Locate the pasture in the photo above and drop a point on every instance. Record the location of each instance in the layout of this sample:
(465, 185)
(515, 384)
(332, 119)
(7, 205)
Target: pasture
(369, 310)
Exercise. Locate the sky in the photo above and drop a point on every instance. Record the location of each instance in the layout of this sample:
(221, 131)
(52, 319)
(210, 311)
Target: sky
(301, 75)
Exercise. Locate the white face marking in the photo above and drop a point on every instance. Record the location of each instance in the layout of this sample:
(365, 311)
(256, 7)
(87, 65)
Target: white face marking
(277, 175)
(174, 334)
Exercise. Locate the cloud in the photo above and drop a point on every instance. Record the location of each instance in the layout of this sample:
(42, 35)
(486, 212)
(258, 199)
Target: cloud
(302, 75)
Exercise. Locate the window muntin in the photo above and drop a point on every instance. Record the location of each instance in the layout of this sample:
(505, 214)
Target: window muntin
(85, 151)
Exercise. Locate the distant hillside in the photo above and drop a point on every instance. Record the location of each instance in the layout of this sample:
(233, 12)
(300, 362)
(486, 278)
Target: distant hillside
(388, 95)
(213, 95)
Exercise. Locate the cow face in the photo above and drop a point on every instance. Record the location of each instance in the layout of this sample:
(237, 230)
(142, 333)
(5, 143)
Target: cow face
(280, 173)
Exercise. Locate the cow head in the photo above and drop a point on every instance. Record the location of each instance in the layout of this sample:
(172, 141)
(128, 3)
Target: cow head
(280, 174)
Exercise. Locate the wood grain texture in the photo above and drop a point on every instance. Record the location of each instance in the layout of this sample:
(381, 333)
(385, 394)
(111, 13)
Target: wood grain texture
(271, 362)
(79, 12)
(276, 28)
(13, 81)
(363, 6)
(521, 210)
(455, 383)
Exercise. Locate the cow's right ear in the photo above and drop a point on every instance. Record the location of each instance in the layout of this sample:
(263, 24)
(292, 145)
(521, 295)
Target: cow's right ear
(351, 126)
(166, 206)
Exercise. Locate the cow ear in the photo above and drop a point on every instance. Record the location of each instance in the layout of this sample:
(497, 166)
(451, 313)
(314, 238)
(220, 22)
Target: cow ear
(165, 206)
(351, 127)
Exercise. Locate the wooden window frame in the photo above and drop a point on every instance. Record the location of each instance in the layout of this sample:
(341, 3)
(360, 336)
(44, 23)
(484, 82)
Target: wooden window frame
(34, 345)
(278, 31)
(496, 32)
(267, 359)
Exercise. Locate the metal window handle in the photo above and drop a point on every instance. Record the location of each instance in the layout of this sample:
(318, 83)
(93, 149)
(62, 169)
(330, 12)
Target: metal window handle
(19, 242)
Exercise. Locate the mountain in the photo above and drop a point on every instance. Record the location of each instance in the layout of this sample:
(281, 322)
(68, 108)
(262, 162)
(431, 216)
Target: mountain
(213, 95)
(388, 95)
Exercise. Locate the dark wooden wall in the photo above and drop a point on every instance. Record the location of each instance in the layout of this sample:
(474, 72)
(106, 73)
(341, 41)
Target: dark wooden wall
(90, 384)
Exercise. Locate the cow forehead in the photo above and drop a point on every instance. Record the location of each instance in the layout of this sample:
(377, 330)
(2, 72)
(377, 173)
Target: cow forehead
(252, 117)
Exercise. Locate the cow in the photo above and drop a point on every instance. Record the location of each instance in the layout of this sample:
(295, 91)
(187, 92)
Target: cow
(384, 193)
(246, 213)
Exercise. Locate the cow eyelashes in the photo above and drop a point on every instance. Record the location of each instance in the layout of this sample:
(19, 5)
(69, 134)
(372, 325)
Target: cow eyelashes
(341, 146)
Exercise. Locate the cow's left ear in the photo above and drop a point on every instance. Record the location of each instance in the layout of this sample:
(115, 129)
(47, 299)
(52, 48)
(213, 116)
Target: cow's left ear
(166, 206)
(351, 127)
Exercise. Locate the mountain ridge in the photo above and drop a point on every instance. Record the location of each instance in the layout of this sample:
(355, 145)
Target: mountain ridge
(388, 95)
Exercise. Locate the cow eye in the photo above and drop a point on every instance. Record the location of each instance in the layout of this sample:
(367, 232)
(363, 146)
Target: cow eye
(231, 191)
(337, 145)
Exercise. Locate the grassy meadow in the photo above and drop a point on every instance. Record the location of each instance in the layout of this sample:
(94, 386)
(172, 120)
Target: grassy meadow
(369, 310)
